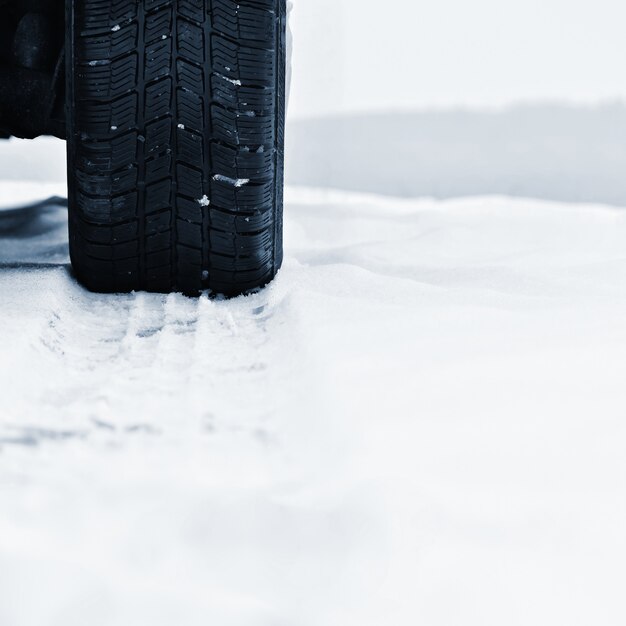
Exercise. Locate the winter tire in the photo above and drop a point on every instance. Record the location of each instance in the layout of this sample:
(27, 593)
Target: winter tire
(175, 112)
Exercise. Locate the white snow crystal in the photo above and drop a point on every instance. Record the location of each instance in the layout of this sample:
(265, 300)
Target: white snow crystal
(233, 81)
(236, 182)
(204, 201)
(116, 28)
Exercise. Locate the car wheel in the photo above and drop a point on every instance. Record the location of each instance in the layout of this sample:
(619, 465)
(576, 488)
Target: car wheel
(175, 114)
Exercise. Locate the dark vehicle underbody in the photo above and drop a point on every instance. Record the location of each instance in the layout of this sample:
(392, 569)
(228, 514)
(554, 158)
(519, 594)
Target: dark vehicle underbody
(32, 71)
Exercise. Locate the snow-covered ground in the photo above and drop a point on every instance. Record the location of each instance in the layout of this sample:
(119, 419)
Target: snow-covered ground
(421, 421)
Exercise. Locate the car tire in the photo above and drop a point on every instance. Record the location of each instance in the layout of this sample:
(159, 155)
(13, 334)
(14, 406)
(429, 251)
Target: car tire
(175, 113)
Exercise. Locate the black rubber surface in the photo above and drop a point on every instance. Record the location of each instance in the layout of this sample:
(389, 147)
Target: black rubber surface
(175, 143)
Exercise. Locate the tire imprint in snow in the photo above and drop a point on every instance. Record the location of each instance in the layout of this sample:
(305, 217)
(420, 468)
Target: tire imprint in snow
(150, 363)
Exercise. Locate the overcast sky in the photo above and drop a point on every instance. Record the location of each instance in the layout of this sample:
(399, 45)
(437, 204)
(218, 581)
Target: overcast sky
(351, 55)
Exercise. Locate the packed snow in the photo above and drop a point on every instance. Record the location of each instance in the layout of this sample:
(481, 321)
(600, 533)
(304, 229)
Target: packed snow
(420, 421)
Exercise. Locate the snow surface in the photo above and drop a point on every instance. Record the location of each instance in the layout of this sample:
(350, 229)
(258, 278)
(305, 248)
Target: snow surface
(421, 421)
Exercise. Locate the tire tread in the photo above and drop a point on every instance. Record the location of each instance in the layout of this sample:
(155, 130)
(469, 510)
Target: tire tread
(170, 101)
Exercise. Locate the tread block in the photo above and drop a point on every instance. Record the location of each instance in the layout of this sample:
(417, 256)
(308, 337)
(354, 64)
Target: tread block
(158, 196)
(189, 181)
(158, 99)
(252, 163)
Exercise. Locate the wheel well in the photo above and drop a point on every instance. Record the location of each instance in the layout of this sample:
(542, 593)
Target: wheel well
(32, 34)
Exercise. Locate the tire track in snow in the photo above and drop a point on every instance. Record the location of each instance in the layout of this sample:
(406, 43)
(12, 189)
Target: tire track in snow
(149, 362)
(97, 367)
